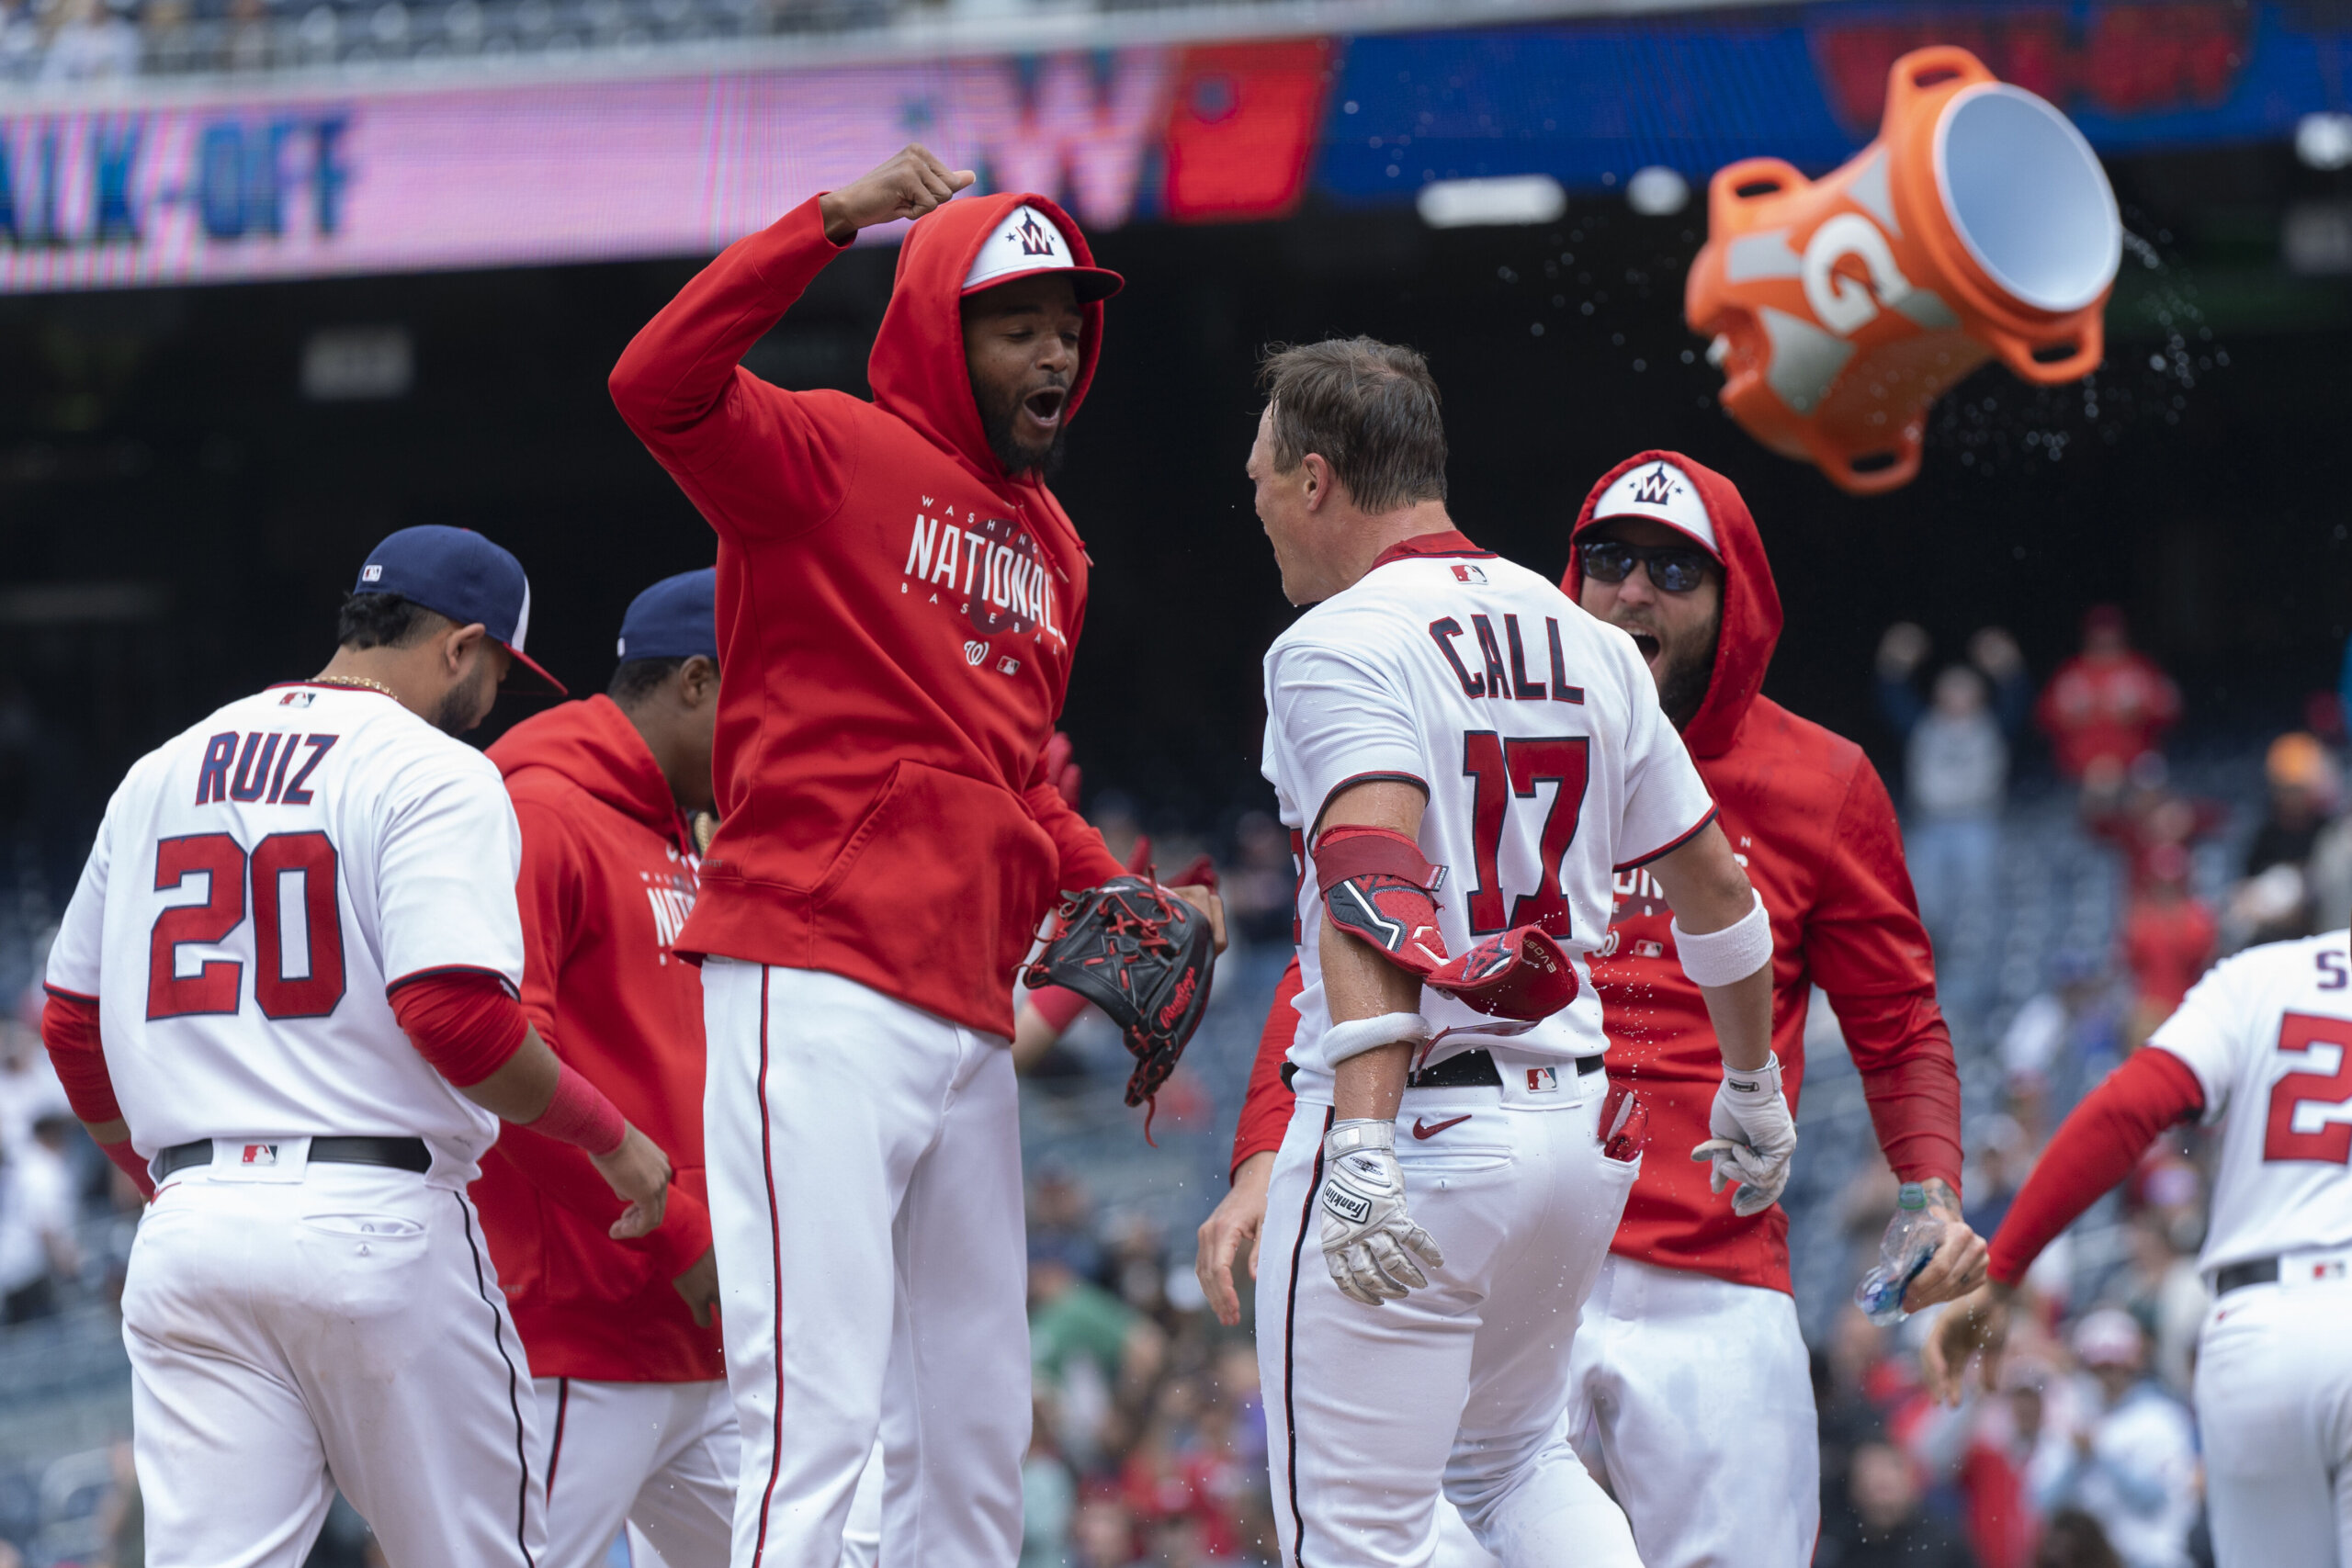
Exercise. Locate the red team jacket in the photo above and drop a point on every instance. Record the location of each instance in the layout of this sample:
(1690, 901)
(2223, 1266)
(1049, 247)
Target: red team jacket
(608, 878)
(896, 620)
(1806, 815)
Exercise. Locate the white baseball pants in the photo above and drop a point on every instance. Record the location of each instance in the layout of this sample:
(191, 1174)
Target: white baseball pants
(865, 1164)
(1692, 1397)
(661, 1455)
(1460, 1387)
(663, 1458)
(343, 1328)
(2274, 1408)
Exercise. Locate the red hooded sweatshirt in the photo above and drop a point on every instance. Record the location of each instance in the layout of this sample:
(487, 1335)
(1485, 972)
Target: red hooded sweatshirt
(896, 621)
(1806, 815)
(608, 878)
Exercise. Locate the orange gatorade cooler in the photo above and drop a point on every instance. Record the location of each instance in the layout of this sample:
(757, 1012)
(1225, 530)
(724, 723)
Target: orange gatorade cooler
(1978, 223)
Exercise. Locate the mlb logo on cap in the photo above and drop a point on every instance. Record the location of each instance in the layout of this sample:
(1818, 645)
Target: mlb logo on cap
(1028, 242)
(458, 573)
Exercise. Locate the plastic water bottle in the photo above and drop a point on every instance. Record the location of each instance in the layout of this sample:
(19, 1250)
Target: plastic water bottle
(1902, 1255)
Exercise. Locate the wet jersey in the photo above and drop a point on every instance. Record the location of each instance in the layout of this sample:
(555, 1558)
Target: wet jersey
(2269, 1034)
(259, 885)
(1535, 733)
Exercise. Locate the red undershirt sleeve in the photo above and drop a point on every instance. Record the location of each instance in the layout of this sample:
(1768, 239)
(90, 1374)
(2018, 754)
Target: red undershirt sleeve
(461, 1021)
(1265, 1112)
(1865, 948)
(2093, 1148)
(1901, 1047)
(69, 1030)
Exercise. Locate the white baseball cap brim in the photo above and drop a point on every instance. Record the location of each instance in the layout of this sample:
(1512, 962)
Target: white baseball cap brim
(1662, 492)
(1028, 242)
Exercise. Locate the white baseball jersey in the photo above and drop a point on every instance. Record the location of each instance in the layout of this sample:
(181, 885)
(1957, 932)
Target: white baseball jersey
(1533, 728)
(258, 883)
(2269, 1034)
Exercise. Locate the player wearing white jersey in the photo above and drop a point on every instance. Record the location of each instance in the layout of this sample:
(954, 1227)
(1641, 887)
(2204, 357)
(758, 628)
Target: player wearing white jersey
(1441, 704)
(285, 990)
(2261, 1047)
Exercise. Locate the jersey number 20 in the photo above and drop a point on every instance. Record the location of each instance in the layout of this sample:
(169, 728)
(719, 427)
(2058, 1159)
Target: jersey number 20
(1502, 772)
(280, 922)
(2310, 1113)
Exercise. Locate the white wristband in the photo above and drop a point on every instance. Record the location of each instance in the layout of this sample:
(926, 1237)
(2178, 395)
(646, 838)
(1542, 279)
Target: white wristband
(1347, 1137)
(1358, 1036)
(1730, 955)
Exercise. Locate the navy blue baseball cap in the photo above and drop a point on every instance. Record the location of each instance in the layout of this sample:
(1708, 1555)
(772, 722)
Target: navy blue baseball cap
(458, 573)
(675, 619)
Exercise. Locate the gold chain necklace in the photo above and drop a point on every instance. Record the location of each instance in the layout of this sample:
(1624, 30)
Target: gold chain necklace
(355, 681)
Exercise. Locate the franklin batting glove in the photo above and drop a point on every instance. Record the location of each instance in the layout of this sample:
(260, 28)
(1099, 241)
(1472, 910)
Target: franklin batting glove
(1369, 1240)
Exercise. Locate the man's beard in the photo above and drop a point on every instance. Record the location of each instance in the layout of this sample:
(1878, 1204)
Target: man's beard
(458, 704)
(996, 423)
(1682, 684)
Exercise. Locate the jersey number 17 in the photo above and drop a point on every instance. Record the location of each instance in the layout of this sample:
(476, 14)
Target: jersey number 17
(1502, 771)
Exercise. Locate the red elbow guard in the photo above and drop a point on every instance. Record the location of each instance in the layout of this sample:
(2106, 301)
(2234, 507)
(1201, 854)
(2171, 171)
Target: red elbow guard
(1378, 887)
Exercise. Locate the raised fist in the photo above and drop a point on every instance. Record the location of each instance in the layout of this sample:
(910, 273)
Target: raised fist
(909, 184)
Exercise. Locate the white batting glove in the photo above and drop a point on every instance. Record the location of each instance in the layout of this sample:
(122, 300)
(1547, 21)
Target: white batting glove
(1368, 1239)
(1753, 1137)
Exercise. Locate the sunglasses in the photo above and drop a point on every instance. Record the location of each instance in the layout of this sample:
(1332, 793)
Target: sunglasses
(1673, 568)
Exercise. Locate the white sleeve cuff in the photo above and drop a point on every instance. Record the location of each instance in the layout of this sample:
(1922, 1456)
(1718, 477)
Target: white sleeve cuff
(1358, 1036)
(1730, 955)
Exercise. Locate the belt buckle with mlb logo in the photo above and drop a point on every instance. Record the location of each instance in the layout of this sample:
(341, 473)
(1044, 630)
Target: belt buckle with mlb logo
(257, 1159)
(2327, 1269)
(1542, 1081)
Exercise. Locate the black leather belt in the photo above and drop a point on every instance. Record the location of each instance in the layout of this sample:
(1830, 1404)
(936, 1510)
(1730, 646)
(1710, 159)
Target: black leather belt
(1477, 1070)
(1470, 1069)
(2238, 1276)
(400, 1154)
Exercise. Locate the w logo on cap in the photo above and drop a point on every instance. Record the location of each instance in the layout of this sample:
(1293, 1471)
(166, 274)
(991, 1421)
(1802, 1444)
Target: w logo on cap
(1035, 239)
(1655, 488)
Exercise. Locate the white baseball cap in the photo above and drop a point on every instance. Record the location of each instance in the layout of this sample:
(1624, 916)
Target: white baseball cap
(1027, 242)
(1662, 492)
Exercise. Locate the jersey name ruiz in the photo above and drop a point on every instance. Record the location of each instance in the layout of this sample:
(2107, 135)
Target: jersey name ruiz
(258, 885)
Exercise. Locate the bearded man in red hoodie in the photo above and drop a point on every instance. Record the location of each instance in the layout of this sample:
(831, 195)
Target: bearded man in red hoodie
(1690, 1391)
(899, 598)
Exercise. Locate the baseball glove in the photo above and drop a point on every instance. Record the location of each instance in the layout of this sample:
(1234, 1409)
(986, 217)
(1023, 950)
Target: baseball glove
(1142, 956)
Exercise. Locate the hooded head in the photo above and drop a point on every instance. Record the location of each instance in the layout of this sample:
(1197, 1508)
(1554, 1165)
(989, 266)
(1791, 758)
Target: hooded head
(969, 249)
(1667, 489)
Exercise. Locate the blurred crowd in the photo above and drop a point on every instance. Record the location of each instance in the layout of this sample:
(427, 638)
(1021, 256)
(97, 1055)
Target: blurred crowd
(51, 42)
(1150, 1441)
(2078, 1449)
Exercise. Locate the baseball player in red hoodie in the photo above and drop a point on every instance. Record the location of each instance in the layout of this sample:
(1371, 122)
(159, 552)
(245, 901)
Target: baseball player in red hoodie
(898, 598)
(1690, 1385)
